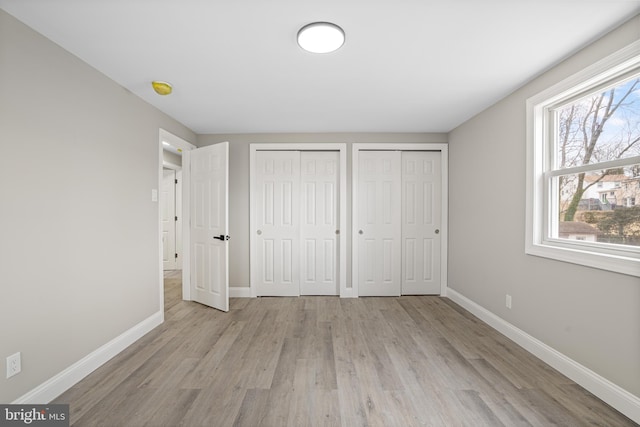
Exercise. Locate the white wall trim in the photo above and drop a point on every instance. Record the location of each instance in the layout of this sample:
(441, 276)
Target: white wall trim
(186, 225)
(444, 226)
(240, 292)
(601, 387)
(63, 381)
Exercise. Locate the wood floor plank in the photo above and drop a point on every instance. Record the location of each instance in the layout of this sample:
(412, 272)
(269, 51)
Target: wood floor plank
(552, 411)
(264, 350)
(585, 406)
(171, 407)
(326, 377)
(328, 309)
(419, 385)
(476, 410)
(203, 373)
(327, 409)
(504, 410)
(308, 333)
(253, 408)
(214, 406)
(352, 410)
(303, 393)
(326, 361)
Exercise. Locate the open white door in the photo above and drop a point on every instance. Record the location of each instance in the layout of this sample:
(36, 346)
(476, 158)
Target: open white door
(209, 225)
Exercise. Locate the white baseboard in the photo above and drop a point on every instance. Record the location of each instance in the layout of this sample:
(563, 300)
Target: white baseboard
(604, 389)
(239, 292)
(63, 381)
(245, 292)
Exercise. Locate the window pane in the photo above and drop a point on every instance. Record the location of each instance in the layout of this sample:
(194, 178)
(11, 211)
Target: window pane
(600, 127)
(602, 206)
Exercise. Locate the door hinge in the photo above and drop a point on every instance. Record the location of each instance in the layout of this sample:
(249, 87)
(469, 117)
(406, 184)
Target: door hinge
(176, 181)
(176, 218)
(176, 256)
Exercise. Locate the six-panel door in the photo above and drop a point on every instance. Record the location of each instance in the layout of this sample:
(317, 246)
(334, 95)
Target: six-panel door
(209, 225)
(379, 223)
(319, 230)
(397, 223)
(421, 183)
(296, 223)
(277, 222)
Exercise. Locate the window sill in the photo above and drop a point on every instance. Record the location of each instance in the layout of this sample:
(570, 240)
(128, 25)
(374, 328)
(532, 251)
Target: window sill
(610, 262)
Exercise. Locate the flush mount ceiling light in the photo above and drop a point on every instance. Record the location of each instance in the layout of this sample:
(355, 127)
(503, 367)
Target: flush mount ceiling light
(161, 88)
(321, 37)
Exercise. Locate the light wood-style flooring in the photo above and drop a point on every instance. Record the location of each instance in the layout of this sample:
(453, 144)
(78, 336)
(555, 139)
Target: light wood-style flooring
(326, 361)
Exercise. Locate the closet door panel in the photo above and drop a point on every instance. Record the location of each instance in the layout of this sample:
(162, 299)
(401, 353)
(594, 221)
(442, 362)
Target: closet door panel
(277, 223)
(379, 223)
(319, 228)
(421, 207)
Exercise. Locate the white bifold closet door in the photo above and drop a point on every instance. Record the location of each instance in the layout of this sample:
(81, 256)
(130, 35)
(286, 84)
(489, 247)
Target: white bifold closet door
(421, 212)
(296, 206)
(319, 230)
(398, 214)
(379, 223)
(278, 223)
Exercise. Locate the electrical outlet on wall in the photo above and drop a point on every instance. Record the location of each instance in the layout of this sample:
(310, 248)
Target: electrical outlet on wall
(508, 301)
(14, 365)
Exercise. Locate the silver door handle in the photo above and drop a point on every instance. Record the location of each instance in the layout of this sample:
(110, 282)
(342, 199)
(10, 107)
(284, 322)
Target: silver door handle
(259, 232)
(360, 232)
(437, 231)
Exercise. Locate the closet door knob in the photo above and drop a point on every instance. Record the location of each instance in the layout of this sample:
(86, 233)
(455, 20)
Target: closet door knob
(259, 232)
(337, 231)
(360, 232)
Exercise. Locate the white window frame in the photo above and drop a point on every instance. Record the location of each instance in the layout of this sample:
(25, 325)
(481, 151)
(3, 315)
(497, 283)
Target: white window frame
(539, 193)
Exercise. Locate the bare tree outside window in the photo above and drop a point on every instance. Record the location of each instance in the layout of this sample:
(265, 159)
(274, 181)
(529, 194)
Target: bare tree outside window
(598, 128)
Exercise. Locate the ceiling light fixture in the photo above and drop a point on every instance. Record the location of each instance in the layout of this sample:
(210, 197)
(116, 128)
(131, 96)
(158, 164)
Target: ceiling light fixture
(162, 88)
(321, 37)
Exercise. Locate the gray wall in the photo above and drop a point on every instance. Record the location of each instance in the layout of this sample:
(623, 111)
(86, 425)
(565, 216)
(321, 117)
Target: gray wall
(590, 315)
(79, 238)
(239, 273)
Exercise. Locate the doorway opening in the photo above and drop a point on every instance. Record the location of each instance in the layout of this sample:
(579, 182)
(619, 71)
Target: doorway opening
(170, 220)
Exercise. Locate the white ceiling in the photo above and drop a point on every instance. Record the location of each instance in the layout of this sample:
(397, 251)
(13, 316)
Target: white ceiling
(406, 66)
